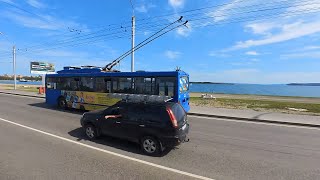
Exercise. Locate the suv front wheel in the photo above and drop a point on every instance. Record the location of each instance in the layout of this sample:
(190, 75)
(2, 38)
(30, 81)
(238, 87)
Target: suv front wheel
(91, 131)
(150, 146)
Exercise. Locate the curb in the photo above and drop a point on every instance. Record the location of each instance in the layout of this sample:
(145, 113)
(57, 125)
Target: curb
(25, 95)
(213, 116)
(256, 120)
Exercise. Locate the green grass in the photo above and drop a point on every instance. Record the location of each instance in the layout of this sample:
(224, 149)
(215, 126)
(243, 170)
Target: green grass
(255, 104)
(21, 88)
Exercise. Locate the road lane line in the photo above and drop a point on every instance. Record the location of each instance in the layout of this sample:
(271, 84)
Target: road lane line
(110, 152)
(21, 95)
(252, 122)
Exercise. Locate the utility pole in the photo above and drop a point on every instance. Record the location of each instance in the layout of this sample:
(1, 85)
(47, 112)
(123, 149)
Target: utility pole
(14, 67)
(132, 42)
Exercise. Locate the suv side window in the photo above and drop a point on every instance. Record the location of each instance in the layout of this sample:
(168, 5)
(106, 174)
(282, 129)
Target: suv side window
(113, 111)
(135, 112)
(156, 114)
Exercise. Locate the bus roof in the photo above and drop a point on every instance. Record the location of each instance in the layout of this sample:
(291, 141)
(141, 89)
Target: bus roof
(98, 72)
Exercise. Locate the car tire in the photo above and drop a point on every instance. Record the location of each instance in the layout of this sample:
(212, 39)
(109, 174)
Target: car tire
(150, 146)
(62, 103)
(91, 131)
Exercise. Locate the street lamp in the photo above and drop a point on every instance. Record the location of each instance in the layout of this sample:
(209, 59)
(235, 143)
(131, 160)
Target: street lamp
(14, 61)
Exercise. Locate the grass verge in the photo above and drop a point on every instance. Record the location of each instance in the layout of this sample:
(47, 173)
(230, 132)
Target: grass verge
(289, 107)
(21, 88)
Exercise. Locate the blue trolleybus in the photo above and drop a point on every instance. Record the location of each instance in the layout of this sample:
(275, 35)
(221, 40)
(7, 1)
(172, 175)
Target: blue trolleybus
(90, 88)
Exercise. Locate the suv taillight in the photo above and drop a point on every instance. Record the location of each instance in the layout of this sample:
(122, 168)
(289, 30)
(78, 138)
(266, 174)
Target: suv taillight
(172, 118)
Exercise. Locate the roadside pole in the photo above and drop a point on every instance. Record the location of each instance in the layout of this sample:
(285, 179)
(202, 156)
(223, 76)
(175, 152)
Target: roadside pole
(132, 42)
(43, 80)
(14, 68)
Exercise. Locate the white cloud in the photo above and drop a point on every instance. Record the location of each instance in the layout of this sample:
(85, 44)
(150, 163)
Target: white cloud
(176, 3)
(44, 22)
(222, 12)
(61, 53)
(144, 8)
(252, 53)
(255, 60)
(300, 6)
(182, 31)
(304, 55)
(172, 54)
(287, 32)
(229, 10)
(311, 47)
(262, 28)
(36, 4)
(8, 1)
(245, 62)
(146, 33)
(141, 9)
(218, 54)
(185, 31)
(284, 28)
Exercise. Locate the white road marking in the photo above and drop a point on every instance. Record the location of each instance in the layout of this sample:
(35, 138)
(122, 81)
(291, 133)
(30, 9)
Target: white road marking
(25, 96)
(252, 122)
(110, 152)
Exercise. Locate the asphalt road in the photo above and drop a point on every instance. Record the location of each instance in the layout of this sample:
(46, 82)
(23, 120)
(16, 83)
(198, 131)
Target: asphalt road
(218, 149)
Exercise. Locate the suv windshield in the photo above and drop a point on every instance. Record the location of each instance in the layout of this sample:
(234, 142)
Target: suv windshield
(184, 84)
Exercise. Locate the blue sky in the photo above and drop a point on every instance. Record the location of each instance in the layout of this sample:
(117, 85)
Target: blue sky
(240, 41)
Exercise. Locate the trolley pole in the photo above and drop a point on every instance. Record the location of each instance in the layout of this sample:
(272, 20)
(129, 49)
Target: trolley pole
(14, 68)
(132, 42)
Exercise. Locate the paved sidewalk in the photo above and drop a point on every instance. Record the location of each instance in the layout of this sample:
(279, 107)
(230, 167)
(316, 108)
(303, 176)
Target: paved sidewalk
(256, 115)
(247, 115)
(22, 93)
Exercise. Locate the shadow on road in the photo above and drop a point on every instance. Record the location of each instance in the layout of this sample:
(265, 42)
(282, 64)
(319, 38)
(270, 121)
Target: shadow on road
(111, 142)
(46, 106)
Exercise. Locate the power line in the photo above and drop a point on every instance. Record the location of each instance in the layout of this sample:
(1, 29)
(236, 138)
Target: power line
(24, 10)
(264, 17)
(82, 37)
(132, 49)
(260, 10)
(132, 7)
(200, 18)
(143, 43)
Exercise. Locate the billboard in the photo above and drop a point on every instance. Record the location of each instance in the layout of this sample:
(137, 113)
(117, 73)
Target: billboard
(41, 68)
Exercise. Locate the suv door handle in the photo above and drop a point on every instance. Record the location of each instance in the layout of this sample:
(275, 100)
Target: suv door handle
(118, 122)
(142, 125)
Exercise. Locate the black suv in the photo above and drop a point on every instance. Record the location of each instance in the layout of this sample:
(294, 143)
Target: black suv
(155, 126)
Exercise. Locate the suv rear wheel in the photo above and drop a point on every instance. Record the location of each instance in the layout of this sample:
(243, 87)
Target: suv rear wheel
(62, 103)
(150, 145)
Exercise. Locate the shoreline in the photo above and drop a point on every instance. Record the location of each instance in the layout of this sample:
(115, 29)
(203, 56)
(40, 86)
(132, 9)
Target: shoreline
(313, 100)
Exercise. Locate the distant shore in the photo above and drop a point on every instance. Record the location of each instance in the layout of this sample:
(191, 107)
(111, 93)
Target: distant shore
(303, 84)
